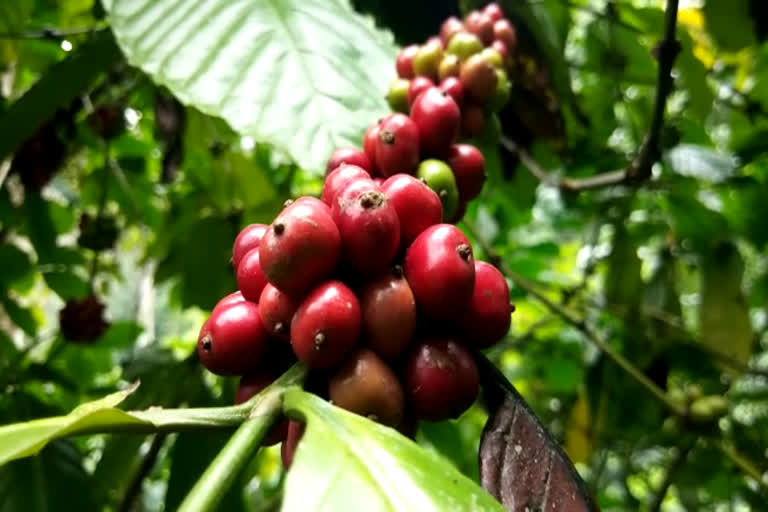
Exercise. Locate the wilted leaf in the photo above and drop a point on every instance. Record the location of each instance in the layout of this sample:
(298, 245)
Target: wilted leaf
(520, 463)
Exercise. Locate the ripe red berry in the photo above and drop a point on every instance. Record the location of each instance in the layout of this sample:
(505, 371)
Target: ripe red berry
(369, 227)
(369, 145)
(487, 317)
(418, 85)
(326, 325)
(452, 86)
(481, 25)
(338, 180)
(404, 61)
(505, 32)
(365, 385)
(350, 156)
(450, 27)
(232, 298)
(276, 309)
(493, 11)
(478, 76)
(300, 248)
(249, 238)
(250, 277)
(309, 201)
(440, 269)
(397, 147)
(288, 448)
(233, 340)
(441, 380)
(472, 120)
(389, 314)
(468, 166)
(501, 47)
(417, 205)
(437, 117)
(253, 384)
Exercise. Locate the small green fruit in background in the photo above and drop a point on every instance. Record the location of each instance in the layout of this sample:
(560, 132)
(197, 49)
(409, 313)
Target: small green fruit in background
(439, 177)
(494, 57)
(427, 59)
(397, 96)
(464, 45)
(503, 90)
(449, 66)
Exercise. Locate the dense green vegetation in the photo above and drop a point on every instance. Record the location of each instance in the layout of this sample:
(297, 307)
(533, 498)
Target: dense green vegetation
(626, 209)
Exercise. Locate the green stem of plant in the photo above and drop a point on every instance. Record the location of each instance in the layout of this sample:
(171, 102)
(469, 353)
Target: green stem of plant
(576, 322)
(743, 463)
(221, 473)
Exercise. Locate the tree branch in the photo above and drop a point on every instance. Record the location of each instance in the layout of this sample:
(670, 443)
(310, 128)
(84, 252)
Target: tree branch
(743, 463)
(50, 34)
(576, 322)
(639, 169)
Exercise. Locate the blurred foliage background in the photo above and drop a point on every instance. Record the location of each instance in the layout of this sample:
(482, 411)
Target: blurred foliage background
(119, 204)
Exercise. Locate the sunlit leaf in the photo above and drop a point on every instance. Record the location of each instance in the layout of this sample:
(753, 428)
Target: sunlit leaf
(305, 76)
(345, 460)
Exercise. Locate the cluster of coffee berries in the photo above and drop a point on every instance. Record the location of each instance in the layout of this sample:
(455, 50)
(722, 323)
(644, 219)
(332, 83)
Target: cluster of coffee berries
(468, 61)
(371, 286)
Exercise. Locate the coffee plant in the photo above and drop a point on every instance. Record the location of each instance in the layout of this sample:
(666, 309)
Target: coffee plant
(344, 255)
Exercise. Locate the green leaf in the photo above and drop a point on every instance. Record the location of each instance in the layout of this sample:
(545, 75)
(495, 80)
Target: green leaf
(66, 284)
(24, 439)
(730, 23)
(16, 264)
(723, 313)
(52, 481)
(305, 76)
(700, 162)
(20, 316)
(345, 460)
(59, 86)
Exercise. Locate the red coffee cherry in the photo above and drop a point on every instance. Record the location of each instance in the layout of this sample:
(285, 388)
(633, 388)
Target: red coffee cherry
(418, 85)
(488, 316)
(365, 385)
(468, 166)
(404, 61)
(440, 269)
(441, 379)
(250, 277)
(338, 180)
(249, 238)
(437, 117)
(276, 309)
(452, 86)
(233, 340)
(397, 147)
(350, 156)
(301, 247)
(418, 206)
(450, 27)
(505, 32)
(389, 314)
(326, 325)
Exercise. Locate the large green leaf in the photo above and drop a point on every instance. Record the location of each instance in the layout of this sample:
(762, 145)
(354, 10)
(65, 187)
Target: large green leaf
(347, 462)
(303, 75)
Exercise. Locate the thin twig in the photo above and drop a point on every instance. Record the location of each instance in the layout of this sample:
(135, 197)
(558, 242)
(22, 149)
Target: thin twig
(50, 34)
(639, 169)
(743, 463)
(147, 463)
(576, 322)
(674, 466)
